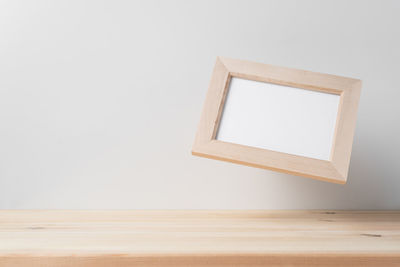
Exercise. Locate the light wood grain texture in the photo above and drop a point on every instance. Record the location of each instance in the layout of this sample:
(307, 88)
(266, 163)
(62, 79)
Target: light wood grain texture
(199, 238)
(334, 170)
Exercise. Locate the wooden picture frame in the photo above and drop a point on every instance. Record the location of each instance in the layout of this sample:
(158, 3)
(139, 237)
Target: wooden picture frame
(333, 170)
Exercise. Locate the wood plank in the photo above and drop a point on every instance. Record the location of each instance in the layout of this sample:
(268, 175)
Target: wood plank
(199, 238)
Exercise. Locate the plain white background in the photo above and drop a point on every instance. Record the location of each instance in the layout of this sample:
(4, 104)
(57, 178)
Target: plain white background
(100, 100)
(279, 118)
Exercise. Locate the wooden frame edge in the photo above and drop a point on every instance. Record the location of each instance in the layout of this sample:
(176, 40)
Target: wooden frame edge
(335, 170)
(339, 180)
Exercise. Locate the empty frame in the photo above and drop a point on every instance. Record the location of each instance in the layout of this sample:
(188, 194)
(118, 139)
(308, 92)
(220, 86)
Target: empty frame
(279, 118)
(282, 119)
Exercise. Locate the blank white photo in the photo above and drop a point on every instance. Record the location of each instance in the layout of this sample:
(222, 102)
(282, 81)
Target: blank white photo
(279, 118)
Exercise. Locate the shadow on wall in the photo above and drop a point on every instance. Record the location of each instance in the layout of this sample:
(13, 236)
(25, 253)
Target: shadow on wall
(374, 174)
(373, 181)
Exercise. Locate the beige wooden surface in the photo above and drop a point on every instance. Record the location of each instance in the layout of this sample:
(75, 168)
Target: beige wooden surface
(199, 238)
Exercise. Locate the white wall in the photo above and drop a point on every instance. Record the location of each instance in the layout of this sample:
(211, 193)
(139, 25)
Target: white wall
(100, 100)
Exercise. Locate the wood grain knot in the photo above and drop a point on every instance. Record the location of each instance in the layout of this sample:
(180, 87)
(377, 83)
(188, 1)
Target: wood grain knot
(330, 212)
(371, 235)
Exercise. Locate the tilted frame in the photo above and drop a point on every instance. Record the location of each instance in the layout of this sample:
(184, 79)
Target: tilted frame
(333, 170)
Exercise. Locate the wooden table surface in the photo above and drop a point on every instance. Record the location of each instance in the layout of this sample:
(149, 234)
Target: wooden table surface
(199, 238)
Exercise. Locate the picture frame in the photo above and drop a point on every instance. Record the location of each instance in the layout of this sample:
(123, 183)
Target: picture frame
(334, 169)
